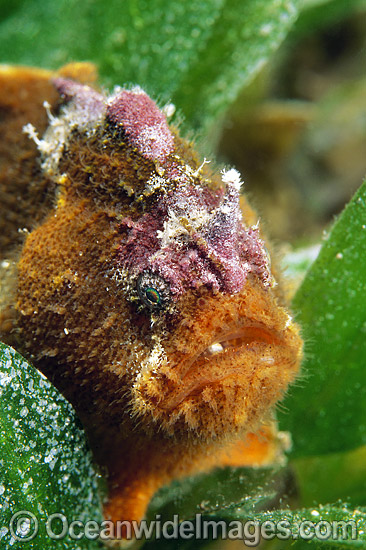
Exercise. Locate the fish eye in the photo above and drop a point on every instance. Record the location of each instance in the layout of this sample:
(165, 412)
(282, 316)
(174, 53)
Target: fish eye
(153, 290)
(152, 296)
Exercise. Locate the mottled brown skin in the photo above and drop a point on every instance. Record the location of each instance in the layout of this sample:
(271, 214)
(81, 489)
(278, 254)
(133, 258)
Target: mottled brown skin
(26, 194)
(24, 190)
(183, 414)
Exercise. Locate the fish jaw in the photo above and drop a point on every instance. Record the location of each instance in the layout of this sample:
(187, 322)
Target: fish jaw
(221, 371)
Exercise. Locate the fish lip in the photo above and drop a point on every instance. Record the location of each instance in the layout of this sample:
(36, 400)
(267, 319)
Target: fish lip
(248, 338)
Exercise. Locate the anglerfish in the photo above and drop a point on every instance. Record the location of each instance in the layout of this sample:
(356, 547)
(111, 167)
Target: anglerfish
(144, 288)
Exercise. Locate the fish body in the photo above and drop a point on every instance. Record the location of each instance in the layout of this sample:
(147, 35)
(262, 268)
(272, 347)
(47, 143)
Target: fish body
(145, 292)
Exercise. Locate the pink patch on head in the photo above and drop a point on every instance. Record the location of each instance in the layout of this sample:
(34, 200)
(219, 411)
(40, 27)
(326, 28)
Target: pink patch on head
(220, 253)
(144, 125)
(84, 97)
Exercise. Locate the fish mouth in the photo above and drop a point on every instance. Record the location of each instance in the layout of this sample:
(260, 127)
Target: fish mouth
(224, 358)
(239, 338)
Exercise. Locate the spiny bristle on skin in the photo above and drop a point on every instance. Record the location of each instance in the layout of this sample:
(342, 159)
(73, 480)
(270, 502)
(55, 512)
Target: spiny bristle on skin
(232, 177)
(85, 111)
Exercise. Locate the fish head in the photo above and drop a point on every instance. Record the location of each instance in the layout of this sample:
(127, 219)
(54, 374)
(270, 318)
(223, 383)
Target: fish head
(203, 343)
(222, 346)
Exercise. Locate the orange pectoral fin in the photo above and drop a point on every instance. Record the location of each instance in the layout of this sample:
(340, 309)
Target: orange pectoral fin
(262, 448)
(128, 504)
(131, 493)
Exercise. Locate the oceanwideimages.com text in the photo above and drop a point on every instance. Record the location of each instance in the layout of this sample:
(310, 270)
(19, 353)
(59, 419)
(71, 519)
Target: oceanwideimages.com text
(25, 526)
